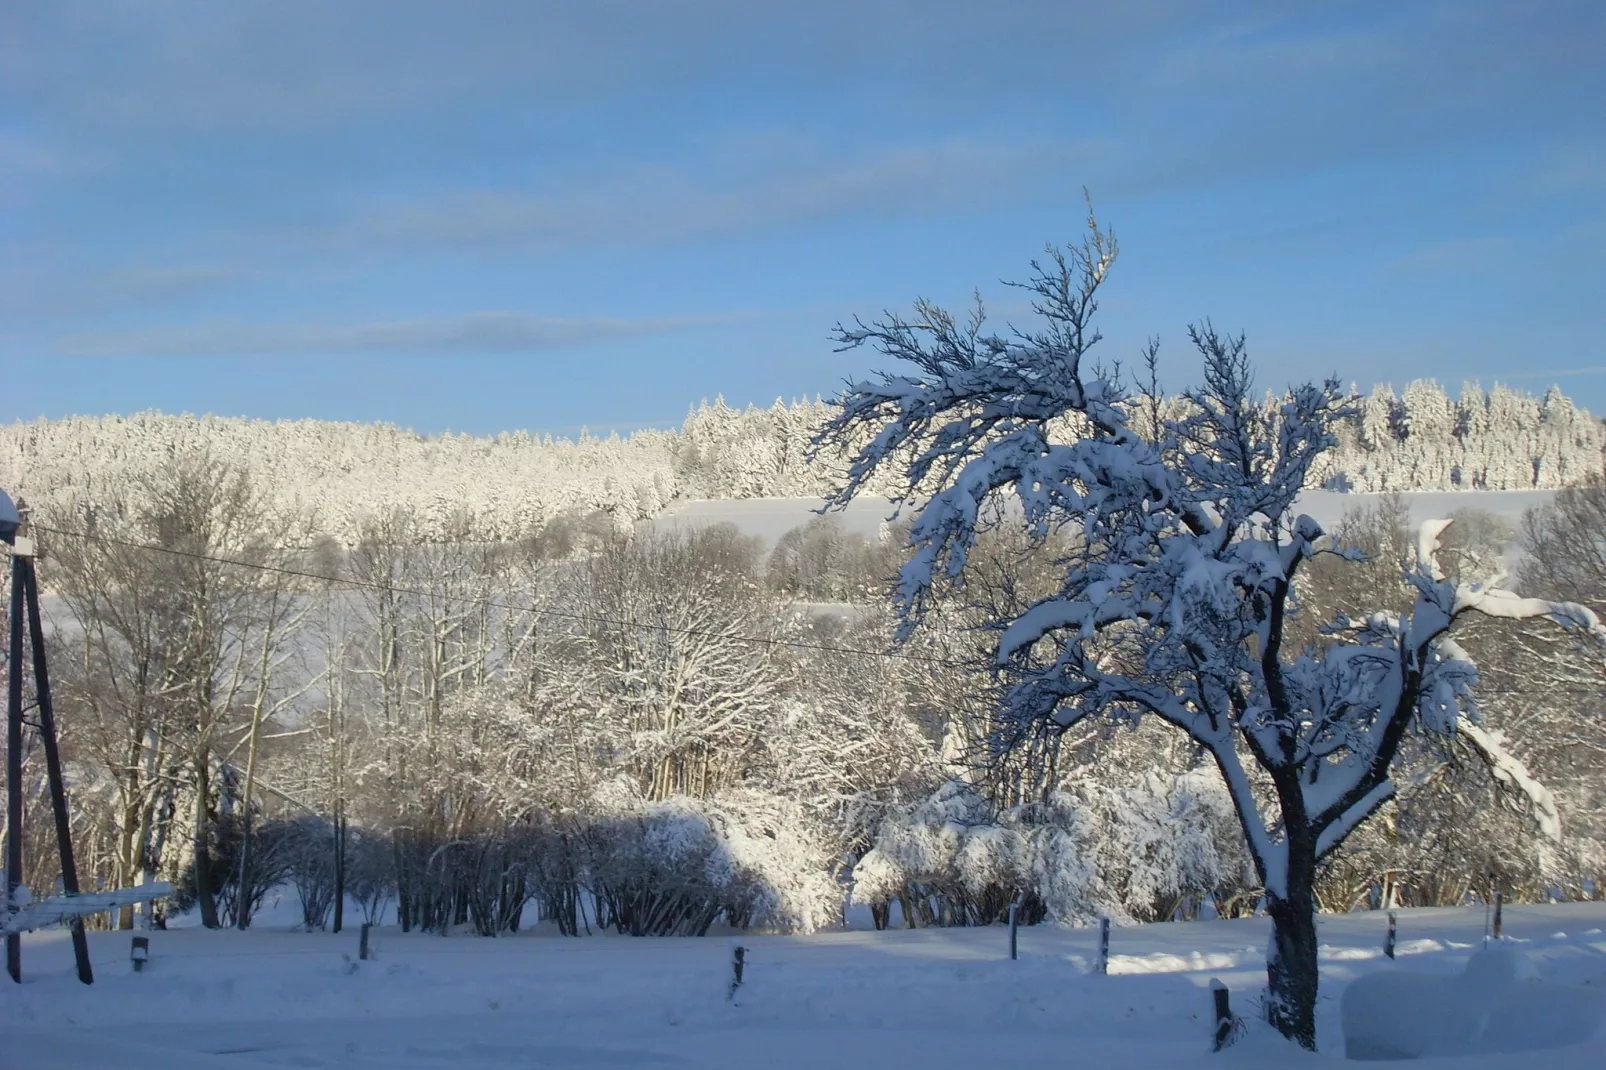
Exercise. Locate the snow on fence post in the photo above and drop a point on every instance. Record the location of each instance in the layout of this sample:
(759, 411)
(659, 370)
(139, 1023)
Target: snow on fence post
(738, 962)
(1388, 944)
(362, 943)
(1104, 946)
(1218, 995)
(1014, 911)
(139, 952)
(1499, 901)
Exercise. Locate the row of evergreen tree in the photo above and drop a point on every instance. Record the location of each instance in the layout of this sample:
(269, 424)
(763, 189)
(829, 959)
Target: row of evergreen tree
(504, 486)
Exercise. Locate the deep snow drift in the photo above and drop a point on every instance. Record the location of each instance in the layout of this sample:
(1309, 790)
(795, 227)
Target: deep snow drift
(930, 998)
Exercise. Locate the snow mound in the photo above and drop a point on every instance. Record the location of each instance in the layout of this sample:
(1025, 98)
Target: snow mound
(1497, 1004)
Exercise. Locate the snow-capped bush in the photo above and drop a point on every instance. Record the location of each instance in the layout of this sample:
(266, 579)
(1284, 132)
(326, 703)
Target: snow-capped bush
(1143, 851)
(674, 867)
(1166, 843)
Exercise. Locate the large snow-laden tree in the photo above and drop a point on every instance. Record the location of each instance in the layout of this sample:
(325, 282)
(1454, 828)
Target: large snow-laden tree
(1175, 599)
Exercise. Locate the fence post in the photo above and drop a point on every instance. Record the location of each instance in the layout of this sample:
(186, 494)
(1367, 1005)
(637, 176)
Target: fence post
(1218, 994)
(1388, 944)
(139, 952)
(1014, 909)
(738, 963)
(1499, 901)
(1104, 946)
(362, 943)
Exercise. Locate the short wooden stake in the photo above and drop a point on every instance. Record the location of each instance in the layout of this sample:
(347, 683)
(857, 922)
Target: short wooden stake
(1014, 911)
(1499, 901)
(140, 952)
(362, 943)
(1218, 994)
(738, 963)
(1104, 946)
(1388, 944)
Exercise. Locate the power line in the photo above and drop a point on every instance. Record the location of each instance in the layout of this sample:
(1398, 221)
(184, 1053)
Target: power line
(585, 618)
(491, 603)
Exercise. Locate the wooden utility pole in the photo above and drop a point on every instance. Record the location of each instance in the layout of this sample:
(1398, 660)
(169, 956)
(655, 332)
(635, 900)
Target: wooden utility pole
(8, 530)
(25, 593)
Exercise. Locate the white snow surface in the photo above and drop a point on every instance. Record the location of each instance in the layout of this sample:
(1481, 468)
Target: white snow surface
(929, 998)
(1498, 1003)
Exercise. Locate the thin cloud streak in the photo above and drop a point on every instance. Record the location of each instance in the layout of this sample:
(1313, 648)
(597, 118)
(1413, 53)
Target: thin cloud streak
(470, 333)
(1460, 254)
(661, 203)
(1588, 369)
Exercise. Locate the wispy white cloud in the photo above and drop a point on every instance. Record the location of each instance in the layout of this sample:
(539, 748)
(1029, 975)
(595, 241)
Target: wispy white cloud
(289, 64)
(1552, 373)
(1459, 254)
(37, 290)
(1581, 165)
(470, 333)
(740, 189)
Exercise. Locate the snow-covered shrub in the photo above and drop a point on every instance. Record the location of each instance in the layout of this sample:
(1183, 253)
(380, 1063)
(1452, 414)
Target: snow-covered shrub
(272, 850)
(370, 872)
(952, 859)
(1165, 843)
(769, 843)
(1145, 851)
(672, 868)
(310, 855)
(916, 859)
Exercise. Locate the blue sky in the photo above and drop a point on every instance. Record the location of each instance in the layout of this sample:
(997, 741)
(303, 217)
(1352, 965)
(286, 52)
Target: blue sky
(487, 216)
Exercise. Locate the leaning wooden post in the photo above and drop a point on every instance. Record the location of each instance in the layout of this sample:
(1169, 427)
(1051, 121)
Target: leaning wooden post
(47, 736)
(1499, 901)
(1014, 912)
(1388, 943)
(1104, 946)
(738, 963)
(362, 942)
(1218, 994)
(13, 866)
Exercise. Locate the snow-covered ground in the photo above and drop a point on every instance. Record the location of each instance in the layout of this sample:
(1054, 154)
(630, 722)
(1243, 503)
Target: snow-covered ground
(928, 999)
(770, 518)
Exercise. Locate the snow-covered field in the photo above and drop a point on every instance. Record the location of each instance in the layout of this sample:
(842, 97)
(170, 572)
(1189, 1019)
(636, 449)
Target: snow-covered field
(770, 518)
(930, 998)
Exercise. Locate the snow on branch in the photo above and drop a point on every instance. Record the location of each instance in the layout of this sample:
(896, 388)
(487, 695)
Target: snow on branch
(1508, 769)
(1175, 594)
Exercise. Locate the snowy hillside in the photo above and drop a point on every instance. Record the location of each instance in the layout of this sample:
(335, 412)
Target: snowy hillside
(333, 477)
(770, 518)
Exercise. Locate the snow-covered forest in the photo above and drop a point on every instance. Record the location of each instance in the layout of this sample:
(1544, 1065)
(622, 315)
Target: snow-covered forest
(335, 476)
(656, 731)
(452, 677)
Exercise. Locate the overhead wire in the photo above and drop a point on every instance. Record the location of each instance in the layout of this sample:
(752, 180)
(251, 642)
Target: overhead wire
(491, 603)
(589, 618)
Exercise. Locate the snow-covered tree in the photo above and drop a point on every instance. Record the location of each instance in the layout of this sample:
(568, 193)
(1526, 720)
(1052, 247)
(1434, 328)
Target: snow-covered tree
(1175, 601)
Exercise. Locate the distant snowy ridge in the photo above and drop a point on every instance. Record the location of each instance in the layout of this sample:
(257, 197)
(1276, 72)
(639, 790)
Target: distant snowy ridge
(499, 487)
(770, 518)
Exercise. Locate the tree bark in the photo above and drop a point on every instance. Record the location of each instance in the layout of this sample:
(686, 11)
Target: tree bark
(1291, 966)
(340, 866)
(203, 849)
